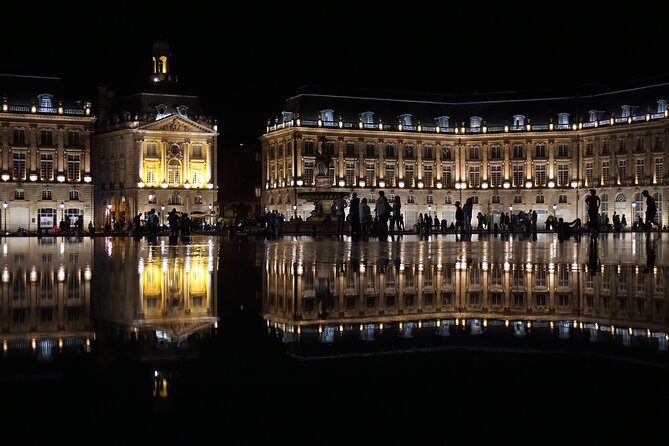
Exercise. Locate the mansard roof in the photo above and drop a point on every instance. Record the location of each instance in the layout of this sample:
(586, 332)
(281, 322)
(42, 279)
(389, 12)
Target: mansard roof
(23, 90)
(495, 108)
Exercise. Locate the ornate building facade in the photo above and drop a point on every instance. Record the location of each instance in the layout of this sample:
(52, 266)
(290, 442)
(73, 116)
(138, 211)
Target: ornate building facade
(509, 152)
(154, 150)
(45, 154)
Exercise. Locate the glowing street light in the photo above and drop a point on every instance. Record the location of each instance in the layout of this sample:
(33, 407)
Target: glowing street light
(62, 210)
(162, 213)
(109, 206)
(210, 206)
(5, 205)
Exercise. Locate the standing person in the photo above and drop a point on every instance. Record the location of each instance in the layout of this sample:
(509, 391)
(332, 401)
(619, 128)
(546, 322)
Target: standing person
(592, 202)
(397, 212)
(623, 222)
(173, 221)
(340, 205)
(616, 221)
(354, 216)
(383, 209)
(651, 211)
(365, 218)
(467, 214)
(459, 218)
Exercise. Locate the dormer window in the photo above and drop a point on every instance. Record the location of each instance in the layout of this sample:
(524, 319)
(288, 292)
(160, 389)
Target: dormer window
(327, 115)
(594, 115)
(161, 111)
(661, 105)
(442, 121)
(563, 120)
(286, 116)
(45, 102)
(367, 117)
(182, 110)
(628, 110)
(406, 119)
(475, 122)
(518, 121)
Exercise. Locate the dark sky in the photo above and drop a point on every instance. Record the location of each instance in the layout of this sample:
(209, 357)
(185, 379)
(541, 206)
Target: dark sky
(244, 60)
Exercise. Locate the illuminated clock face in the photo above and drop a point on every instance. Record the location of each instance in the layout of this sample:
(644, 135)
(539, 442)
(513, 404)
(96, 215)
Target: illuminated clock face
(174, 150)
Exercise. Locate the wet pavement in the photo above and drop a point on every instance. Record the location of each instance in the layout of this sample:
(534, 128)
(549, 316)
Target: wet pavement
(303, 340)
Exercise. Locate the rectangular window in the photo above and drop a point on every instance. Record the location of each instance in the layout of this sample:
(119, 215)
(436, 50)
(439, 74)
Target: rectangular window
(389, 175)
(518, 175)
(605, 148)
(606, 172)
(474, 176)
(19, 137)
(46, 138)
(562, 151)
(308, 147)
(390, 151)
(474, 153)
(640, 171)
(563, 175)
(446, 153)
(198, 154)
(427, 153)
(73, 168)
(562, 198)
(19, 194)
(46, 167)
(46, 194)
(350, 174)
(496, 153)
(540, 175)
(589, 149)
(589, 170)
(540, 151)
(640, 143)
(369, 150)
(370, 174)
(658, 171)
(408, 176)
(622, 171)
(517, 198)
(622, 145)
(447, 176)
(517, 150)
(350, 149)
(540, 198)
(151, 176)
(19, 165)
(73, 138)
(496, 199)
(496, 175)
(308, 173)
(427, 176)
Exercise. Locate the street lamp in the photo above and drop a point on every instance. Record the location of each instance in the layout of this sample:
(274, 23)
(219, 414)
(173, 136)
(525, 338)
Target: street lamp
(210, 206)
(62, 210)
(554, 210)
(162, 213)
(109, 206)
(633, 212)
(4, 210)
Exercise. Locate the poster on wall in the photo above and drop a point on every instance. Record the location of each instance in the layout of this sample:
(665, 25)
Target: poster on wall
(46, 221)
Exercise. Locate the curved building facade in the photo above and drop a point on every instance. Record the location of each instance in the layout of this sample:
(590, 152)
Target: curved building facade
(510, 152)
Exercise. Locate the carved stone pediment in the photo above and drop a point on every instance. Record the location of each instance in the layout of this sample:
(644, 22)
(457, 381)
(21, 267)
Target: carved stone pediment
(175, 123)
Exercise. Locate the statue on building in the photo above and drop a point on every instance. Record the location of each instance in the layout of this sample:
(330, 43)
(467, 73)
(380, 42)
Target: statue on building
(323, 160)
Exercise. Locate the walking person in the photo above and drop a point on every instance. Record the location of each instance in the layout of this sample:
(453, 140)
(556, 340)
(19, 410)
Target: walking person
(592, 202)
(651, 211)
(382, 209)
(397, 213)
(459, 219)
(467, 214)
(365, 219)
(354, 216)
(340, 205)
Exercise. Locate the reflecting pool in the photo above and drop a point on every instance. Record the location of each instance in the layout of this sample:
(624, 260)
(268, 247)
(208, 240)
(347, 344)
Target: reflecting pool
(239, 338)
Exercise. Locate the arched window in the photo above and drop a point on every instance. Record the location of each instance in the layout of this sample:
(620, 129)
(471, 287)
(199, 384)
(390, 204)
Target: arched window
(174, 172)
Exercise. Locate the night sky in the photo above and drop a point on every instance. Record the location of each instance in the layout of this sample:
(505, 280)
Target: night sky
(244, 60)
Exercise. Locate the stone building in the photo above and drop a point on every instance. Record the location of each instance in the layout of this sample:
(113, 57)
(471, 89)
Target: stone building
(154, 150)
(509, 152)
(45, 154)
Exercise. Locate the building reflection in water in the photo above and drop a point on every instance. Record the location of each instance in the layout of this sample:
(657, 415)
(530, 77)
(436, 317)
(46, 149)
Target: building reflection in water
(159, 299)
(45, 297)
(152, 301)
(416, 293)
